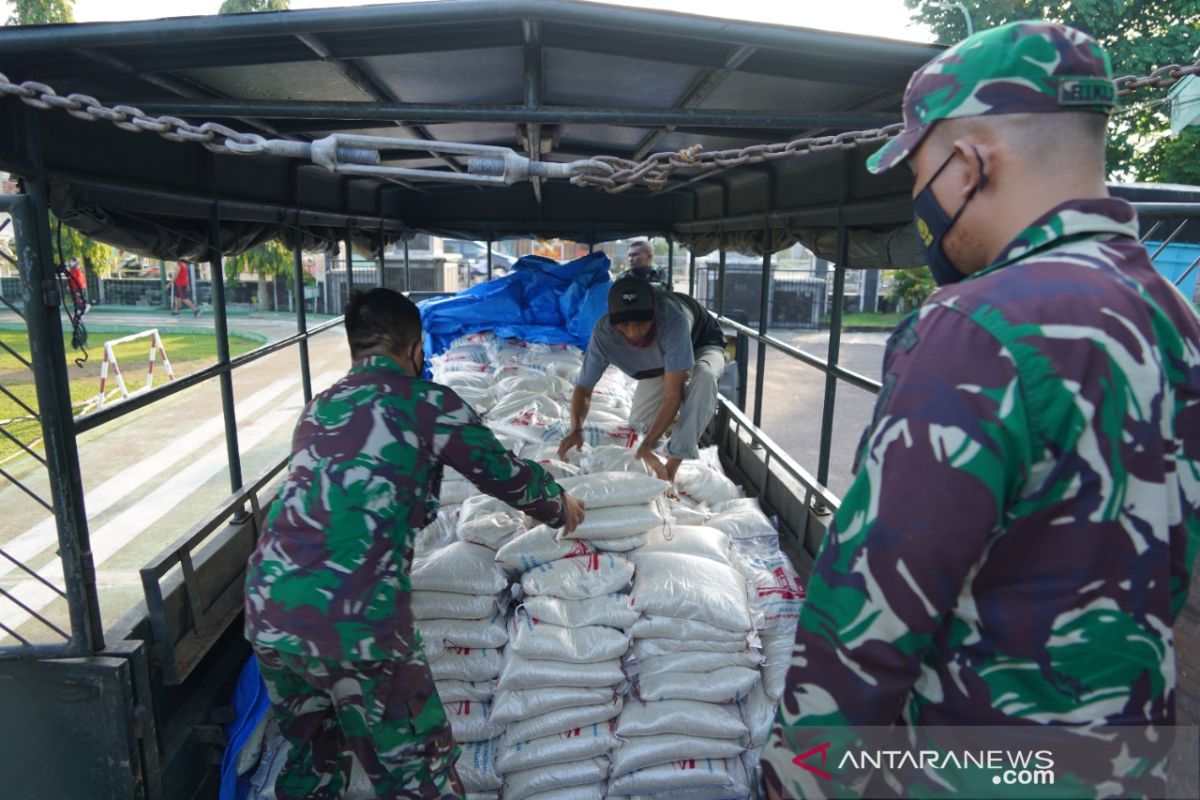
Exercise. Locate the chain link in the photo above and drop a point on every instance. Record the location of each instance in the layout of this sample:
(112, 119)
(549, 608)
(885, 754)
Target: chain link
(610, 173)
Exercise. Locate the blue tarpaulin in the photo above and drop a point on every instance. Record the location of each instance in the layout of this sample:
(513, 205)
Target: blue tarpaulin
(250, 703)
(539, 301)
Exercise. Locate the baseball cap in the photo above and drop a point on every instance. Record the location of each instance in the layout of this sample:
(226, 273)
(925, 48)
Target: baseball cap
(631, 299)
(1018, 68)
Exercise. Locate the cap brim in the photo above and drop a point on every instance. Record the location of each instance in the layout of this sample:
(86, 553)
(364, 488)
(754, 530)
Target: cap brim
(896, 150)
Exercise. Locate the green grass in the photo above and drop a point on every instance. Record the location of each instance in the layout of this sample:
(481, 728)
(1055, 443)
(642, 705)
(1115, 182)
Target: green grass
(884, 322)
(187, 352)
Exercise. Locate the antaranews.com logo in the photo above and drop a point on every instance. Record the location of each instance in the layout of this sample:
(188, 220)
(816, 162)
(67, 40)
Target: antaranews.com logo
(1009, 767)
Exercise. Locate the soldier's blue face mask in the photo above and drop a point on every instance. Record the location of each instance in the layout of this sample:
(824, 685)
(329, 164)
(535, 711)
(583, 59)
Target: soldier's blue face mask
(933, 223)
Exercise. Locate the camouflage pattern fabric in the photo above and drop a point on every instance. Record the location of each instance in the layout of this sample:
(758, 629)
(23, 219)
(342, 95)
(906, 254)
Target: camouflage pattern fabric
(1025, 514)
(1019, 68)
(387, 713)
(330, 576)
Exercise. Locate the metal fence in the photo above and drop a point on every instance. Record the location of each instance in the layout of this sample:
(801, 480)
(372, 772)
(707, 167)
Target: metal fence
(797, 298)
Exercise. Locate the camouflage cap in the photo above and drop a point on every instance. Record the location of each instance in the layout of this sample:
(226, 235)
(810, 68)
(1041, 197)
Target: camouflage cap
(1019, 68)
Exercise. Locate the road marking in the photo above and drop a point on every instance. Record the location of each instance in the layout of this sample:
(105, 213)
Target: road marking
(44, 535)
(129, 524)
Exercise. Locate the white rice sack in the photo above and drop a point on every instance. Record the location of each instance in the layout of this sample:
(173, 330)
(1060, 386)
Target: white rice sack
(479, 399)
(690, 630)
(455, 491)
(615, 610)
(584, 645)
(530, 783)
(482, 337)
(511, 405)
(775, 589)
(528, 673)
(685, 514)
(533, 382)
(728, 775)
(538, 545)
(741, 519)
(452, 605)
(589, 791)
(653, 648)
(482, 796)
(777, 659)
(618, 522)
(623, 545)
(690, 587)
(613, 458)
(511, 706)
(701, 482)
(473, 665)
(470, 721)
(459, 567)
(685, 717)
(433, 536)
(578, 577)
(477, 766)
(759, 711)
(692, 540)
(594, 435)
(572, 745)
(468, 633)
(728, 684)
(564, 719)
(488, 521)
(557, 469)
(444, 370)
(647, 751)
(454, 691)
(529, 427)
(608, 489)
(475, 379)
(697, 661)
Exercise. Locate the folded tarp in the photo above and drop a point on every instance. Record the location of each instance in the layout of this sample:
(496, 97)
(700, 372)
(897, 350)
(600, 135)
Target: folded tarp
(539, 301)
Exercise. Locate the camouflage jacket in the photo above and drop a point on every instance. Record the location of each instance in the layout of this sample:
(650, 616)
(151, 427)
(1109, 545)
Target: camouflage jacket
(1020, 531)
(330, 576)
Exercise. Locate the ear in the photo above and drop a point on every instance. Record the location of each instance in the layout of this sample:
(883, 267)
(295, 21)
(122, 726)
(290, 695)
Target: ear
(978, 162)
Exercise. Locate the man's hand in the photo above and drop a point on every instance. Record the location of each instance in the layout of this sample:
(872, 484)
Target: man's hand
(573, 513)
(647, 455)
(572, 439)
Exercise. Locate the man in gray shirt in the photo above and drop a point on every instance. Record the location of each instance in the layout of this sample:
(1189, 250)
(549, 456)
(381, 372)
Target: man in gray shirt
(675, 350)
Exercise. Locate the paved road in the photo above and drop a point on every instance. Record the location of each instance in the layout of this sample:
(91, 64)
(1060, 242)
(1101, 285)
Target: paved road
(153, 474)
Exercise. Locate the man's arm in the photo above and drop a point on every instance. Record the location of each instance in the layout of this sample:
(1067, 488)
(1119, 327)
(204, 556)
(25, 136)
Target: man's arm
(581, 403)
(946, 455)
(461, 440)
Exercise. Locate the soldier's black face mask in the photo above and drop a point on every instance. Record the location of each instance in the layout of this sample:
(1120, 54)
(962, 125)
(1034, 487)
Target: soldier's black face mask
(933, 223)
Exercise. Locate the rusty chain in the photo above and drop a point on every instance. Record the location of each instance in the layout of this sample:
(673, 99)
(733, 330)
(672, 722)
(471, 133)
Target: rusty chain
(611, 173)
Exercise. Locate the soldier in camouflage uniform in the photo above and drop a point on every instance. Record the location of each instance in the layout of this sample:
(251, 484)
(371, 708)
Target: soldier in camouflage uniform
(1020, 532)
(328, 587)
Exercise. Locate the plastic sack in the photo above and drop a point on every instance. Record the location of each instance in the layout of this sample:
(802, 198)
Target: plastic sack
(690, 587)
(683, 514)
(685, 717)
(595, 435)
(622, 545)
(459, 567)
(433, 536)
(464, 633)
(719, 686)
(488, 521)
(528, 783)
(538, 545)
(454, 691)
(774, 585)
(613, 458)
(476, 766)
(741, 519)
(700, 481)
(618, 522)
(528, 673)
(563, 719)
(572, 745)
(452, 605)
(511, 706)
(481, 400)
(557, 469)
(528, 427)
(653, 648)
(614, 609)
(647, 751)
(578, 577)
(584, 645)
(467, 379)
(532, 382)
(607, 489)
(697, 661)
(472, 665)
(470, 721)
(759, 711)
(692, 540)
(777, 659)
(727, 775)
(590, 791)
(515, 404)
(689, 630)
(455, 491)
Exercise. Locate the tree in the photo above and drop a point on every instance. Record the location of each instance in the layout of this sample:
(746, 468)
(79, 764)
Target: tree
(267, 261)
(41, 12)
(1139, 35)
(253, 6)
(911, 287)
